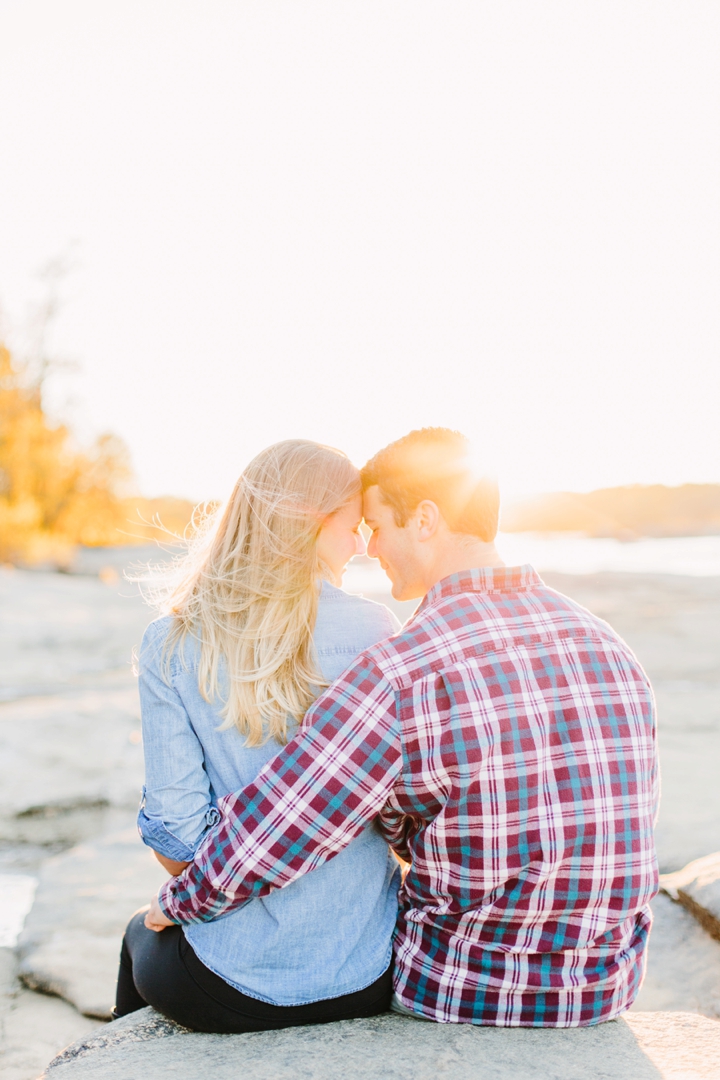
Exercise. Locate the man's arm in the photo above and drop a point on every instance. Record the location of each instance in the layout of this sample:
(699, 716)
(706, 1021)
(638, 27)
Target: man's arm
(305, 806)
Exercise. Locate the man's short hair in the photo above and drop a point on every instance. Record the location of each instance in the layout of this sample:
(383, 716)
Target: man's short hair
(435, 463)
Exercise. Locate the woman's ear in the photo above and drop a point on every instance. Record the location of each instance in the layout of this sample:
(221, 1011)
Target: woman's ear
(427, 520)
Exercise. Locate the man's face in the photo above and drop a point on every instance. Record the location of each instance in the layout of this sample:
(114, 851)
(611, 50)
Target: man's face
(397, 548)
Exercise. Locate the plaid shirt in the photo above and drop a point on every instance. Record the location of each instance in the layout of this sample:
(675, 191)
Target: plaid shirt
(506, 739)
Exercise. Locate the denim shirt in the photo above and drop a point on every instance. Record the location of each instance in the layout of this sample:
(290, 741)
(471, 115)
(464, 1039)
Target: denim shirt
(329, 932)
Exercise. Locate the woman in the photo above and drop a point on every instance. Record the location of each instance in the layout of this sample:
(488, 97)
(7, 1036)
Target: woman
(253, 629)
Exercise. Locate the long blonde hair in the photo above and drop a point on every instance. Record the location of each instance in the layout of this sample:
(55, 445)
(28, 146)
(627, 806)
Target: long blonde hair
(248, 587)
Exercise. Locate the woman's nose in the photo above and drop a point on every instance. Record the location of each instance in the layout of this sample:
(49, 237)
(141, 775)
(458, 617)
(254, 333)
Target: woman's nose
(360, 546)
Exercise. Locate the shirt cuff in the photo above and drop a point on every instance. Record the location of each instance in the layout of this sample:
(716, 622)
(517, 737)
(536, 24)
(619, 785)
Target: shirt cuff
(166, 900)
(157, 836)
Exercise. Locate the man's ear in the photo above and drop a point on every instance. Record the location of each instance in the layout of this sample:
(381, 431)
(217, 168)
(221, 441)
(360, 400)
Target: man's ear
(427, 519)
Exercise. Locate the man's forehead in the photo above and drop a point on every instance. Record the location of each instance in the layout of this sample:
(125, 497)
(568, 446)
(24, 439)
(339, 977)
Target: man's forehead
(373, 504)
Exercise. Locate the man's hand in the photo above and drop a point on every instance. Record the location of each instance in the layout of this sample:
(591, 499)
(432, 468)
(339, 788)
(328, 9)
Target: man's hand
(155, 919)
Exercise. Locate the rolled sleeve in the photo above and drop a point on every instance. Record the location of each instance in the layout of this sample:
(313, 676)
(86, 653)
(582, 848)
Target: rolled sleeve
(157, 836)
(176, 808)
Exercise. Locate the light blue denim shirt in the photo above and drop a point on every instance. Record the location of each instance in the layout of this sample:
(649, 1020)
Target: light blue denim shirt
(329, 932)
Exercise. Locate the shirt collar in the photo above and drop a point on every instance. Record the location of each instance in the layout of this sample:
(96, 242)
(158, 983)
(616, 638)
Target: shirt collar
(485, 579)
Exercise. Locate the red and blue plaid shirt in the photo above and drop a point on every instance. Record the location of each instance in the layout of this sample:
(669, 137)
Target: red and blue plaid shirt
(504, 742)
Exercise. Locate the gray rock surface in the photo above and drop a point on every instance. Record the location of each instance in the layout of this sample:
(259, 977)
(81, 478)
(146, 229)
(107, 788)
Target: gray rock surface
(32, 1026)
(683, 966)
(644, 1046)
(69, 714)
(71, 941)
(72, 768)
(69, 761)
(59, 632)
(65, 753)
(697, 887)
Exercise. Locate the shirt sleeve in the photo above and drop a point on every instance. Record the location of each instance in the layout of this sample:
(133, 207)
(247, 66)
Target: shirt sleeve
(305, 806)
(176, 807)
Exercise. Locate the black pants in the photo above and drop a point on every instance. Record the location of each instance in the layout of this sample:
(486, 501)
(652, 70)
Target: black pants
(161, 969)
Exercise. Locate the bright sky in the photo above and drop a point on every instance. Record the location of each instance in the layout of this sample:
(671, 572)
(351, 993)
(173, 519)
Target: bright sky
(347, 219)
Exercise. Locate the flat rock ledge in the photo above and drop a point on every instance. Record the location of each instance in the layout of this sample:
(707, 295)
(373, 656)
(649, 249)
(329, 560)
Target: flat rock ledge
(697, 888)
(71, 942)
(639, 1046)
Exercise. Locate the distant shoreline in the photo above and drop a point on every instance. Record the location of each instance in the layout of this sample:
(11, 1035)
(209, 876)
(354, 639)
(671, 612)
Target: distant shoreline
(633, 512)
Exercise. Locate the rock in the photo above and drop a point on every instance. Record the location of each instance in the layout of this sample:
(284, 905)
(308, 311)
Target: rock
(66, 753)
(643, 1046)
(697, 887)
(68, 761)
(69, 711)
(683, 968)
(59, 632)
(33, 1027)
(72, 766)
(8, 973)
(71, 942)
(689, 738)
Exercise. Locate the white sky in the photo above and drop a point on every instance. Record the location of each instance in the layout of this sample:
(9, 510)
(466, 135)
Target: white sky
(344, 220)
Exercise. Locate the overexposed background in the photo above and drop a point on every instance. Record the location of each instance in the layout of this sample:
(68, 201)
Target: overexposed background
(342, 220)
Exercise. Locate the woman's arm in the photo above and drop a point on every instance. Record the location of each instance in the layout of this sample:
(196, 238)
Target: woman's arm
(172, 866)
(176, 809)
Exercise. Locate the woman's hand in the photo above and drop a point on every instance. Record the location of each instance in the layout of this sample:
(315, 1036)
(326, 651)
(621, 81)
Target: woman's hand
(155, 919)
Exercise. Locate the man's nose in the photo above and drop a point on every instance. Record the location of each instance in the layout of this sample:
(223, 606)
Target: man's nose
(371, 547)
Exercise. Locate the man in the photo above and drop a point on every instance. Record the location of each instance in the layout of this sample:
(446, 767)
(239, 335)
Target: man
(505, 742)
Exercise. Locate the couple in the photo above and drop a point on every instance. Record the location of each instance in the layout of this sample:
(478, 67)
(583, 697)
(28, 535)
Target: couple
(501, 744)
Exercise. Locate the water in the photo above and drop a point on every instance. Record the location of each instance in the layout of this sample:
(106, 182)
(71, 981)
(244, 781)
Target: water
(696, 556)
(17, 892)
(568, 553)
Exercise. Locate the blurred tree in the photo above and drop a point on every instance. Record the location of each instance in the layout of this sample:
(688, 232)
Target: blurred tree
(53, 495)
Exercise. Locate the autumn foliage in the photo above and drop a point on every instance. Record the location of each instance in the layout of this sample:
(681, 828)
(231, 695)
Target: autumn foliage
(54, 494)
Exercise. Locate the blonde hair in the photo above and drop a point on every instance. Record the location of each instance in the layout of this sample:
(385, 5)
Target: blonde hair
(248, 587)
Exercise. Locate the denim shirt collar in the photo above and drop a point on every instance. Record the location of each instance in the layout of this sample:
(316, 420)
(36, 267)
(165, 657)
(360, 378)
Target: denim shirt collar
(484, 579)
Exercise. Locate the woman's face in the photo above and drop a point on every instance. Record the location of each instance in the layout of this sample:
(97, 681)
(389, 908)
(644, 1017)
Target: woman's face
(340, 537)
